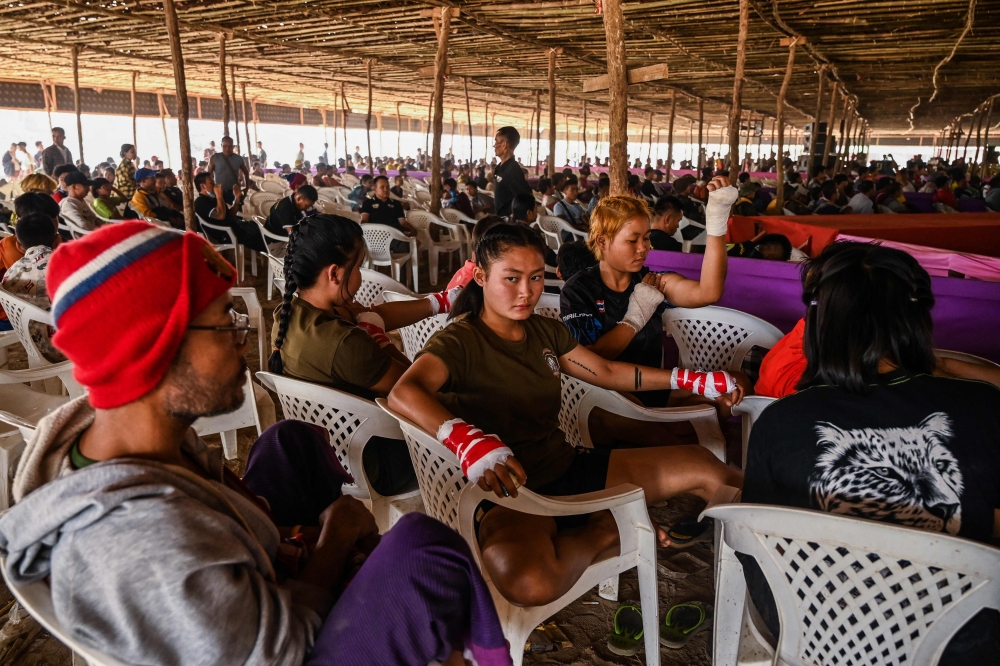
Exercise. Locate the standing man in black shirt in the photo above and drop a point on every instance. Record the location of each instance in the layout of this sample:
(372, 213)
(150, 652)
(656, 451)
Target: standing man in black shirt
(509, 177)
(382, 209)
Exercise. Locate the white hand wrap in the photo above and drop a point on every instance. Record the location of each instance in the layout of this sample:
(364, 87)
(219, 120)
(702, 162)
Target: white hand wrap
(709, 384)
(642, 305)
(372, 324)
(442, 301)
(476, 451)
(720, 204)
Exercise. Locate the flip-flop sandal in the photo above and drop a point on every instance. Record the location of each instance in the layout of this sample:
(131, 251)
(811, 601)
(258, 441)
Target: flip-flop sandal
(683, 621)
(688, 532)
(626, 637)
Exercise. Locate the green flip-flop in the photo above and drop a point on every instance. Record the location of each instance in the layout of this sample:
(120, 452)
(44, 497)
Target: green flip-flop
(626, 637)
(683, 621)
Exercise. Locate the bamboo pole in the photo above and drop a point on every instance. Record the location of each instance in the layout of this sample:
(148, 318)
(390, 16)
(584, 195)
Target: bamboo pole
(531, 138)
(399, 132)
(180, 89)
(670, 133)
(75, 57)
(48, 103)
(979, 134)
(566, 127)
(614, 32)
(132, 97)
(829, 128)
(468, 116)
(701, 126)
(222, 84)
(538, 130)
(451, 133)
(440, 70)
(162, 105)
(486, 133)
(246, 122)
(816, 117)
(232, 97)
(368, 117)
(430, 117)
(736, 112)
(972, 121)
(345, 111)
(253, 112)
(551, 167)
(583, 159)
(986, 136)
(845, 134)
(780, 122)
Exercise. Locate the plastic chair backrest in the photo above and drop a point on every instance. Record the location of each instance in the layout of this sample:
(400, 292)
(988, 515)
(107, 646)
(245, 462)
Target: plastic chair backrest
(36, 598)
(548, 306)
(21, 313)
(224, 230)
(962, 356)
(276, 186)
(456, 216)
(346, 417)
(378, 237)
(714, 338)
(750, 409)
(374, 283)
(859, 590)
(265, 202)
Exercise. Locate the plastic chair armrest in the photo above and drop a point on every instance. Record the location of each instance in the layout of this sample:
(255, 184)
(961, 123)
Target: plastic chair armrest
(540, 505)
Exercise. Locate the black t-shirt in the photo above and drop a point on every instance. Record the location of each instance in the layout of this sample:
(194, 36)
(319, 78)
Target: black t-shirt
(386, 212)
(283, 214)
(509, 182)
(590, 309)
(916, 450)
(649, 189)
(661, 240)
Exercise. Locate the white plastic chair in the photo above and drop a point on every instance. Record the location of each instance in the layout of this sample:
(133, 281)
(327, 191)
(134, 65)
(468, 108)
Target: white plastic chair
(553, 227)
(373, 284)
(36, 598)
(276, 275)
(450, 498)
(274, 186)
(233, 244)
(416, 335)
(962, 356)
(714, 338)
(21, 313)
(73, 228)
(330, 194)
(351, 422)
(455, 240)
(464, 223)
(853, 590)
(348, 180)
(226, 425)
(750, 409)
(548, 306)
(378, 238)
(264, 201)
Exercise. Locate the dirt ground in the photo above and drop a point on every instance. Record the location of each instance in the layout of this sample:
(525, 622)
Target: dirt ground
(585, 624)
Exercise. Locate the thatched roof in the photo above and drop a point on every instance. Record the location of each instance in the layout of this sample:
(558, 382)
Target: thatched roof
(300, 52)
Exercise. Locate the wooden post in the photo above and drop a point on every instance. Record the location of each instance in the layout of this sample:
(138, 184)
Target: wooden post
(368, 117)
(649, 153)
(246, 125)
(399, 132)
(850, 118)
(180, 89)
(780, 122)
(486, 134)
(440, 69)
(566, 128)
(75, 56)
(531, 138)
(968, 138)
(468, 115)
(163, 122)
(737, 111)
(430, 118)
(451, 133)
(551, 167)
(979, 134)
(819, 110)
(538, 130)
(134, 133)
(986, 136)
(670, 133)
(48, 102)
(253, 113)
(222, 85)
(614, 32)
(701, 127)
(829, 129)
(344, 111)
(583, 158)
(236, 115)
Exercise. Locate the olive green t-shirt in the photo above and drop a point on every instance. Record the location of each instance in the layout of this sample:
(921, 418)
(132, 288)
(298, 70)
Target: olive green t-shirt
(510, 389)
(326, 349)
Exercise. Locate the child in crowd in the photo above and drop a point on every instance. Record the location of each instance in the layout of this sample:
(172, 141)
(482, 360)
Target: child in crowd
(25, 278)
(105, 202)
(572, 258)
(463, 275)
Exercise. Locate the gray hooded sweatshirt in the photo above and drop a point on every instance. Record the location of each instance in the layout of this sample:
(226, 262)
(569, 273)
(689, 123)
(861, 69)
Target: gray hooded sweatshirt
(151, 563)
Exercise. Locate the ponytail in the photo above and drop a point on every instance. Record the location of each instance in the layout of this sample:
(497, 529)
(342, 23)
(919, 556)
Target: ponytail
(313, 244)
(491, 248)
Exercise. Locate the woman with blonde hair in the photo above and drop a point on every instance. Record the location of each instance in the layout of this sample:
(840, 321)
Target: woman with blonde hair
(38, 182)
(614, 308)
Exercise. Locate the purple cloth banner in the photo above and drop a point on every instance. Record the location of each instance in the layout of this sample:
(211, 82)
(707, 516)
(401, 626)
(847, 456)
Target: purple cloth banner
(966, 314)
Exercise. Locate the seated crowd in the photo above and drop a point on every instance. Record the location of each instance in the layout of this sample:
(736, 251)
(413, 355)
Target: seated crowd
(157, 552)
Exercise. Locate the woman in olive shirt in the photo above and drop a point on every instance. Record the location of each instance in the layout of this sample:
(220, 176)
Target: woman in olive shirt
(322, 335)
(498, 367)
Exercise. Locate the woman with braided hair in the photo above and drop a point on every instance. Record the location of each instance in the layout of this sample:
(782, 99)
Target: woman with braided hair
(322, 335)
(498, 367)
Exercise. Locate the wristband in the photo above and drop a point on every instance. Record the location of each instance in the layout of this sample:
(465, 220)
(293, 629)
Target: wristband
(476, 451)
(709, 384)
(372, 324)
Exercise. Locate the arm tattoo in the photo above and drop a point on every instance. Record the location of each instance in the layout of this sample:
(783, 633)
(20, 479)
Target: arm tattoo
(583, 366)
(638, 379)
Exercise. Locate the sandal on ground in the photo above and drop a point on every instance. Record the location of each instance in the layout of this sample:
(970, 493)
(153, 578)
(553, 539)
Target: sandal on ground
(626, 637)
(683, 621)
(689, 531)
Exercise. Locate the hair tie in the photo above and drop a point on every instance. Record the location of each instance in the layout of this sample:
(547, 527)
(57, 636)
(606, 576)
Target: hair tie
(813, 302)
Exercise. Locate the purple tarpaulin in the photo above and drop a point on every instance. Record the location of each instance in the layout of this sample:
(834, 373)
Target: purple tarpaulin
(966, 315)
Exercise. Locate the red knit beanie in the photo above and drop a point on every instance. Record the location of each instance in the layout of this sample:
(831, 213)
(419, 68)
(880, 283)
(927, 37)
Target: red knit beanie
(122, 299)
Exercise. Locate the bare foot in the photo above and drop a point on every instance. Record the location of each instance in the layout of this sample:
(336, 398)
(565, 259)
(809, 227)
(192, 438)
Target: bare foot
(662, 539)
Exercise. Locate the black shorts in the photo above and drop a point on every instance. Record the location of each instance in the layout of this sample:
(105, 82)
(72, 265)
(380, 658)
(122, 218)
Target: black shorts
(587, 473)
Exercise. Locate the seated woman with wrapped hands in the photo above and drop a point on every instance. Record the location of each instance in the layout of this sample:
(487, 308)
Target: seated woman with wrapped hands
(496, 369)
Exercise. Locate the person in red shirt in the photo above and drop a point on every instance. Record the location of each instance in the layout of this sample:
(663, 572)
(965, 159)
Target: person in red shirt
(944, 195)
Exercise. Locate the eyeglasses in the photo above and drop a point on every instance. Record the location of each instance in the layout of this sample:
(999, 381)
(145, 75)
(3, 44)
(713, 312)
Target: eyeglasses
(240, 328)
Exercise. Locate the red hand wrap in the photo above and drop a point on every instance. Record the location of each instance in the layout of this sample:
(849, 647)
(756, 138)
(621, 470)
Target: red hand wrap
(708, 384)
(376, 333)
(475, 450)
